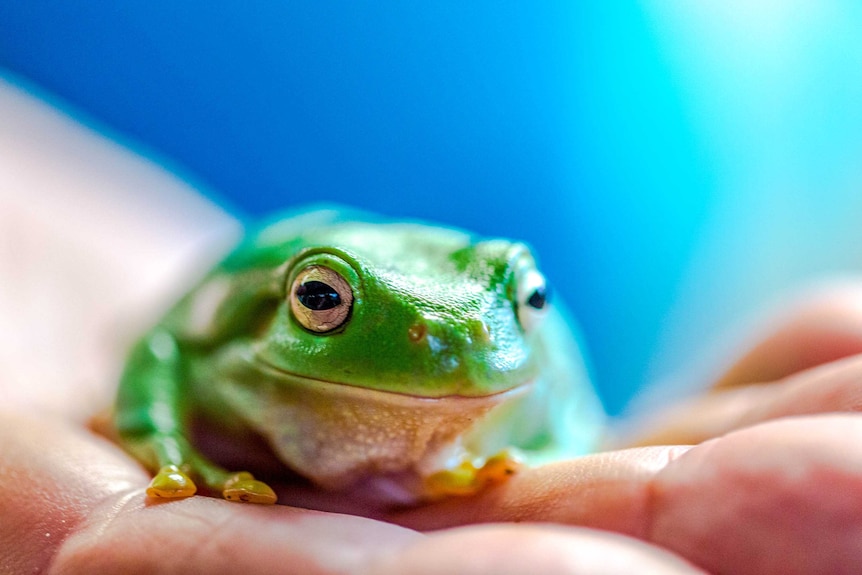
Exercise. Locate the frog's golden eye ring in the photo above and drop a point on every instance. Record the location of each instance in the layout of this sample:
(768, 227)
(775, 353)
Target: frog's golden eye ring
(533, 296)
(320, 299)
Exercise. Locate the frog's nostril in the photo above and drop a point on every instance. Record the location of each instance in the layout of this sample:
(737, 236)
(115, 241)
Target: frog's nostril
(417, 332)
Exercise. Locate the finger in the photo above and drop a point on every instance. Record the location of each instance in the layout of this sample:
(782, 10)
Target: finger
(780, 497)
(607, 490)
(819, 327)
(207, 535)
(777, 498)
(51, 477)
(828, 388)
(529, 549)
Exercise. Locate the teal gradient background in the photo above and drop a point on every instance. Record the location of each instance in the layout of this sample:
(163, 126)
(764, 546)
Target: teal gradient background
(675, 164)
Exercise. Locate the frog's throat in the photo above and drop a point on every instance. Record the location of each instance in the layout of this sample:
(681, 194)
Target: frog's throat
(335, 434)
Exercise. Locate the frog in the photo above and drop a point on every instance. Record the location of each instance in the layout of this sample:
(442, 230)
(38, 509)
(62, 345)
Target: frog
(416, 360)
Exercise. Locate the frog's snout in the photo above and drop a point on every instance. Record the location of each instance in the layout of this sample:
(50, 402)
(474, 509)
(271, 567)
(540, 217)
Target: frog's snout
(466, 352)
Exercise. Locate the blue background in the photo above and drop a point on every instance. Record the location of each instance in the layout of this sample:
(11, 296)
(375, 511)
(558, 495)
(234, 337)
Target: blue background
(673, 163)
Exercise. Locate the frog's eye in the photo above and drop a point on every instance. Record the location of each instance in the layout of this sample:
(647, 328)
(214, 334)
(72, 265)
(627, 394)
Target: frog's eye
(533, 295)
(320, 299)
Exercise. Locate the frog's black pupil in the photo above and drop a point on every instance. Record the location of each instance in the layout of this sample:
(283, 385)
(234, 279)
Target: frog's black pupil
(317, 296)
(538, 298)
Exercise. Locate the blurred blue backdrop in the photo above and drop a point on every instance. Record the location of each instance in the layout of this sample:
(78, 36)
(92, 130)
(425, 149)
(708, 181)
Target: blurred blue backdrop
(674, 163)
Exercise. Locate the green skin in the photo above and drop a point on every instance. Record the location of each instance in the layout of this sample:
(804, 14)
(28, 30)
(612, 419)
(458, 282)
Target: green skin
(447, 360)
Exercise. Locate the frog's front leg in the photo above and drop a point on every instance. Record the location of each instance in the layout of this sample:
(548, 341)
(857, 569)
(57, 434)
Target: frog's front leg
(175, 463)
(150, 420)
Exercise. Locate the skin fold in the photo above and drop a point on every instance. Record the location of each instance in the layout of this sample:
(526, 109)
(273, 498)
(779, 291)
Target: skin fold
(776, 492)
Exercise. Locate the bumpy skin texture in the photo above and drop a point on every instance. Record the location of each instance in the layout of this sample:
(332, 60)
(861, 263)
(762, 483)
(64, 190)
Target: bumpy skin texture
(409, 359)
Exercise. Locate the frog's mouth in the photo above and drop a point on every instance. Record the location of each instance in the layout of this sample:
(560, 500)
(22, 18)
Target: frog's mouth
(313, 383)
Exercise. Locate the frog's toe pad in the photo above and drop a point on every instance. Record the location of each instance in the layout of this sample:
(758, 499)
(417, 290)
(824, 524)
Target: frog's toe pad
(246, 489)
(171, 483)
(499, 468)
(468, 479)
(459, 480)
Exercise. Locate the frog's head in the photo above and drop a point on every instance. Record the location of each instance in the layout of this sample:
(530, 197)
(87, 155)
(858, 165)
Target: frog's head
(406, 308)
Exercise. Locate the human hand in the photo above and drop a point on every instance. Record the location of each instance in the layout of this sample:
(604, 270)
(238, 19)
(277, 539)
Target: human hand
(95, 238)
(776, 494)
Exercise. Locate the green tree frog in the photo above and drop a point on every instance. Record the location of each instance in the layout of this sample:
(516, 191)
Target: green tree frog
(418, 360)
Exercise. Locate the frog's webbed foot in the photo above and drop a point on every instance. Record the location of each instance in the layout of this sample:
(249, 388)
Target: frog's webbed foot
(468, 478)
